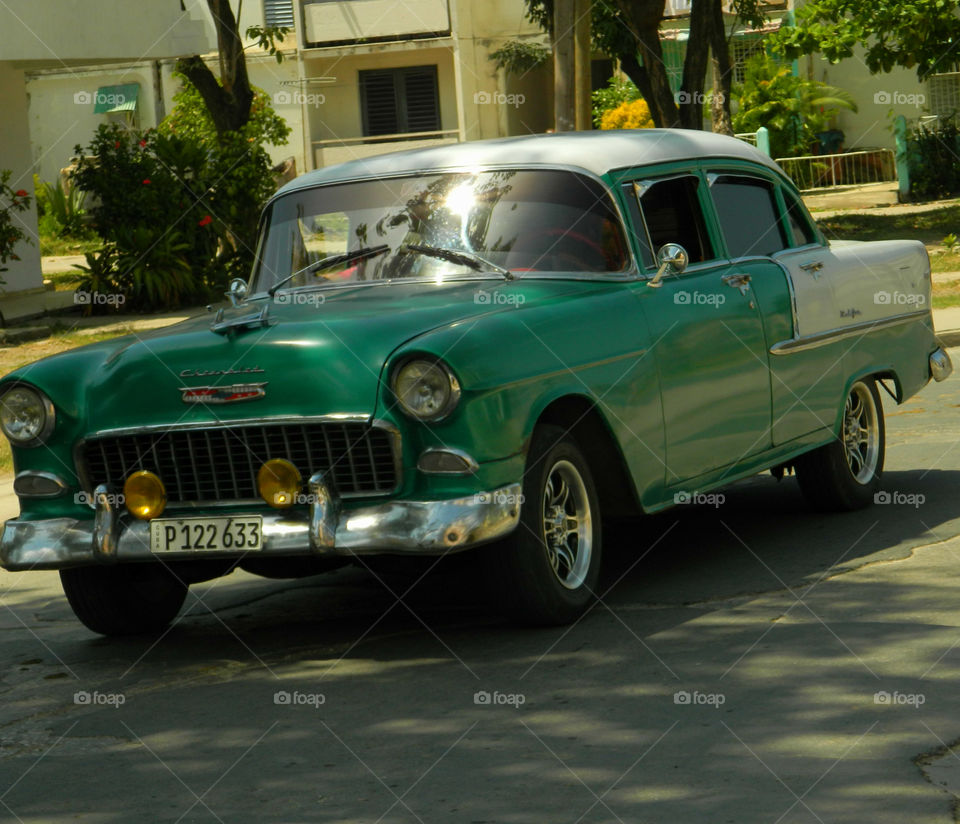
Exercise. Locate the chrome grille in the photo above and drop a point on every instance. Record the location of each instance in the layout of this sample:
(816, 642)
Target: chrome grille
(221, 463)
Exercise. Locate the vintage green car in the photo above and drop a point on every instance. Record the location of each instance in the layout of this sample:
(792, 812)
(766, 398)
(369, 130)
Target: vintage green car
(492, 343)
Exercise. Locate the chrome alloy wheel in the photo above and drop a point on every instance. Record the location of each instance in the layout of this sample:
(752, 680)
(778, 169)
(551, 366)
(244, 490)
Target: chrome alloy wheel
(567, 524)
(861, 433)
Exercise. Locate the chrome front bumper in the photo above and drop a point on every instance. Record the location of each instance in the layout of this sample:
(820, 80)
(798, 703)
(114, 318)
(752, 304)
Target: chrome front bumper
(403, 527)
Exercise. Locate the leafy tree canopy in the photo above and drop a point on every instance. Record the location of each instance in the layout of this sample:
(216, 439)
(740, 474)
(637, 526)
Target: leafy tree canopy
(920, 34)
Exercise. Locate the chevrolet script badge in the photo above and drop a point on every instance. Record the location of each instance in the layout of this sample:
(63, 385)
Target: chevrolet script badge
(223, 394)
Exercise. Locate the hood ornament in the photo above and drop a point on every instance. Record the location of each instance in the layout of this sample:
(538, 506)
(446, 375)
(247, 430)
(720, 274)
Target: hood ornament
(223, 394)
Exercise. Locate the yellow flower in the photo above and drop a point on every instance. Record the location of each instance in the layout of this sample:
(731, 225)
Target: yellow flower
(632, 115)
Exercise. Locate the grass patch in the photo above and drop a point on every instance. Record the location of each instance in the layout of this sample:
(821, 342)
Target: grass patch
(14, 357)
(930, 227)
(52, 245)
(65, 281)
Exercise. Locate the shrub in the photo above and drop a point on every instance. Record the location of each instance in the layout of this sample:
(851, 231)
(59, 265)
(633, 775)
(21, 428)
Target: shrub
(60, 211)
(11, 233)
(932, 159)
(632, 115)
(616, 92)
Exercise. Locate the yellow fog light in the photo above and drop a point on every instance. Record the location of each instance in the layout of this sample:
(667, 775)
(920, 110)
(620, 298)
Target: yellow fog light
(279, 483)
(144, 495)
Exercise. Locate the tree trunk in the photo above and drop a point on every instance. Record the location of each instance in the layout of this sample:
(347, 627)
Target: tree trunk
(691, 97)
(564, 66)
(722, 72)
(229, 100)
(643, 18)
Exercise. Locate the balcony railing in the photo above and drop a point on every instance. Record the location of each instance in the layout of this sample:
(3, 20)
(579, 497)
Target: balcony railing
(340, 150)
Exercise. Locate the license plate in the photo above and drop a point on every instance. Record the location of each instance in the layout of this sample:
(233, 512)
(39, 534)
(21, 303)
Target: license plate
(242, 534)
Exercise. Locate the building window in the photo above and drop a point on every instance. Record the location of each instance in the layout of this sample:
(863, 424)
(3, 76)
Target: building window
(741, 50)
(943, 94)
(278, 13)
(398, 101)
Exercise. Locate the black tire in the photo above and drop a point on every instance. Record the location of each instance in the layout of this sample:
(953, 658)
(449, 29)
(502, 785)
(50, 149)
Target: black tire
(548, 579)
(845, 475)
(127, 599)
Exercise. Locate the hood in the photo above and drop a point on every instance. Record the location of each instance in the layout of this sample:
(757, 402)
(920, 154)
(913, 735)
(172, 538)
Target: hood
(321, 352)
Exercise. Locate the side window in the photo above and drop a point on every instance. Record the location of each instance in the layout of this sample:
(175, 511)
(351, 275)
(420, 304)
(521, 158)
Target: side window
(747, 212)
(798, 220)
(672, 214)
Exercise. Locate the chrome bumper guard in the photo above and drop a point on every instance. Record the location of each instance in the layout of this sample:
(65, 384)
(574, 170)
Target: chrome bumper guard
(402, 527)
(940, 365)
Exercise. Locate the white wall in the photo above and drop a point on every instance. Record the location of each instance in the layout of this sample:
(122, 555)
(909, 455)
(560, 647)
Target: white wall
(15, 155)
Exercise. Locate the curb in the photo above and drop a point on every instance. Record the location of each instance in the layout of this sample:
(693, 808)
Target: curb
(949, 337)
(23, 334)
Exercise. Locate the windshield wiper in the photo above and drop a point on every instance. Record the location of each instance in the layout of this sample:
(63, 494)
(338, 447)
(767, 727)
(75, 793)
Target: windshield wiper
(471, 259)
(333, 260)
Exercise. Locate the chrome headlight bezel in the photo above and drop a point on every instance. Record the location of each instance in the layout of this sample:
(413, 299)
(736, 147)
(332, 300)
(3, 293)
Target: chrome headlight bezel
(46, 406)
(453, 388)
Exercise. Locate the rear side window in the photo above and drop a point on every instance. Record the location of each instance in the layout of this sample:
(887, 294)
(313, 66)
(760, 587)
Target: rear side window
(747, 212)
(798, 221)
(672, 214)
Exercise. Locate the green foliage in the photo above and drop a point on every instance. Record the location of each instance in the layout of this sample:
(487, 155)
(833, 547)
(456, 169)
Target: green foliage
(916, 34)
(60, 210)
(520, 56)
(794, 109)
(11, 231)
(615, 93)
(951, 241)
(178, 206)
(932, 158)
(267, 38)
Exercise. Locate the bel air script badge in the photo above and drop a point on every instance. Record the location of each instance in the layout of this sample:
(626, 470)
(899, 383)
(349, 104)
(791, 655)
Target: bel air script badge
(223, 394)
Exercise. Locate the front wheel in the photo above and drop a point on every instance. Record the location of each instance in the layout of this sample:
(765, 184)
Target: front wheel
(845, 474)
(546, 572)
(126, 599)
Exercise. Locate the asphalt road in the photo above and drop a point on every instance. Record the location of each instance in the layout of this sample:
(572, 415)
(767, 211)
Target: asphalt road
(752, 662)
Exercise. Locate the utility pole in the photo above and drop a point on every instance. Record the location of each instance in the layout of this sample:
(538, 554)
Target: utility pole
(582, 49)
(564, 65)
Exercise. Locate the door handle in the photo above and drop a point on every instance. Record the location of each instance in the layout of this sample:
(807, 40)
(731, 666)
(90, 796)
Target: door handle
(812, 266)
(741, 282)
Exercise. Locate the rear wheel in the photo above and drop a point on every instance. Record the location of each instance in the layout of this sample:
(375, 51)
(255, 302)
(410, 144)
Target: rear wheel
(546, 572)
(126, 599)
(846, 474)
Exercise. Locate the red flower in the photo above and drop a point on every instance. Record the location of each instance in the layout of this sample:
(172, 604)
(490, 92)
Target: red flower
(146, 182)
(205, 220)
(143, 143)
(116, 145)
(21, 192)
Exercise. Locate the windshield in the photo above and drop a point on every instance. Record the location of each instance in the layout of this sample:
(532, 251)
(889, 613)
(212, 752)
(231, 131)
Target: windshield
(521, 221)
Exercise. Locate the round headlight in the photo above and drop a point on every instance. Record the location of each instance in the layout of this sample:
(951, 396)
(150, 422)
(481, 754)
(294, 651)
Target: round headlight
(144, 495)
(427, 390)
(279, 483)
(26, 416)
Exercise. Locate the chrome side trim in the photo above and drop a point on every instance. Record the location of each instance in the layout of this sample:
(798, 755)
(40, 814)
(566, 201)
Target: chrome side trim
(62, 486)
(390, 428)
(801, 344)
(405, 527)
(941, 366)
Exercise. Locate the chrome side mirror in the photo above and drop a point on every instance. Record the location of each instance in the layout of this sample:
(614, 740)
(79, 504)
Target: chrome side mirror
(236, 291)
(672, 260)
